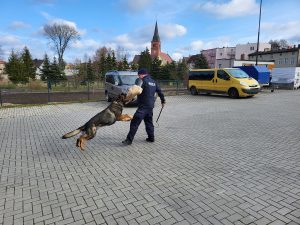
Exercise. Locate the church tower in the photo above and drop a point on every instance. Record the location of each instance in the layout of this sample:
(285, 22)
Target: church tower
(155, 43)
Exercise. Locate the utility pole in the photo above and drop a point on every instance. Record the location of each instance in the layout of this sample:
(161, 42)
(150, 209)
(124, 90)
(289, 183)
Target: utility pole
(258, 32)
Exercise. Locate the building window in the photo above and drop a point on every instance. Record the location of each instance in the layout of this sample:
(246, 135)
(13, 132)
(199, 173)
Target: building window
(292, 61)
(220, 65)
(286, 61)
(280, 61)
(221, 54)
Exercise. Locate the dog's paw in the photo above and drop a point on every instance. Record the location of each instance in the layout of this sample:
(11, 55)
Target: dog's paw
(127, 117)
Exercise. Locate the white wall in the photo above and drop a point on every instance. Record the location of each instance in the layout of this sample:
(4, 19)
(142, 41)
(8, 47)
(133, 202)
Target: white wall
(249, 48)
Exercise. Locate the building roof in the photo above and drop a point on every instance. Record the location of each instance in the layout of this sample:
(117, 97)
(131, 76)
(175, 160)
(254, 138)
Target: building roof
(136, 59)
(156, 35)
(166, 57)
(294, 49)
(38, 62)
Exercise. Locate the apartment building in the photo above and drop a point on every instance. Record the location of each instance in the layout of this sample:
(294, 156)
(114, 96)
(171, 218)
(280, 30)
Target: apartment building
(288, 57)
(243, 50)
(219, 57)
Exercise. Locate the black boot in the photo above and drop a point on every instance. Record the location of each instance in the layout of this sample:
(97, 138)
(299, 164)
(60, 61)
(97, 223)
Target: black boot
(127, 142)
(150, 139)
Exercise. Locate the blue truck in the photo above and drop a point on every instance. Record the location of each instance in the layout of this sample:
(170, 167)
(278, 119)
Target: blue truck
(260, 73)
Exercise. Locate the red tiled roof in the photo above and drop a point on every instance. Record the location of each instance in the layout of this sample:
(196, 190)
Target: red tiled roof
(166, 57)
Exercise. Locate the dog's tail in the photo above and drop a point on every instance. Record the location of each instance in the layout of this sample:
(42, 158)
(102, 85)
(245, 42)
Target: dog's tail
(72, 133)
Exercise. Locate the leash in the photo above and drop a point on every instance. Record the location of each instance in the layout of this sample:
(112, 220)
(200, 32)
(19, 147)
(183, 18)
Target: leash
(159, 116)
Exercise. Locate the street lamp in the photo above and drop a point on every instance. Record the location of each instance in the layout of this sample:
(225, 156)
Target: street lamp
(258, 33)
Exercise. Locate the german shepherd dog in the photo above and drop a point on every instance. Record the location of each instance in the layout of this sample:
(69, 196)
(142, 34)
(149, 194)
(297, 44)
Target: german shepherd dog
(106, 117)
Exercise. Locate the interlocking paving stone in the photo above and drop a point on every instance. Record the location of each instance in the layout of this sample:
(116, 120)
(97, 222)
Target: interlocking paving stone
(215, 160)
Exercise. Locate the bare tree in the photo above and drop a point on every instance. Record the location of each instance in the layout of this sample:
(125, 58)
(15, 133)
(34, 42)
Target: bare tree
(278, 44)
(61, 35)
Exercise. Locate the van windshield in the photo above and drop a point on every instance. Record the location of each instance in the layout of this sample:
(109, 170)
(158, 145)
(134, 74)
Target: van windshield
(128, 79)
(237, 73)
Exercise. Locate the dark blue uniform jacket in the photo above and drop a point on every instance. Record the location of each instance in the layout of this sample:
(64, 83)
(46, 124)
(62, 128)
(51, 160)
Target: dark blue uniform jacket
(147, 98)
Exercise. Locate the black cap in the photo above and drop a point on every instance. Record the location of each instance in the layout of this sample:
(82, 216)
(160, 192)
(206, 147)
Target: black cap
(142, 71)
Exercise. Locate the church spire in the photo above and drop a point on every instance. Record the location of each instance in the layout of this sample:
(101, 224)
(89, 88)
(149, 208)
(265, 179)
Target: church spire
(156, 35)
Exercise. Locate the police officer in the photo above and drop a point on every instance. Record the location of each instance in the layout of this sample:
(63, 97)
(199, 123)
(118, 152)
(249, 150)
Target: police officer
(144, 111)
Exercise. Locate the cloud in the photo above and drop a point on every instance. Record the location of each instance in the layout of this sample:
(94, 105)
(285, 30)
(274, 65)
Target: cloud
(234, 8)
(52, 21)
(289, 31)
(86, 44)
(9, 40)
(198, 45)
(15, 25)
(172, 30)
(135, 5)
(177, 56)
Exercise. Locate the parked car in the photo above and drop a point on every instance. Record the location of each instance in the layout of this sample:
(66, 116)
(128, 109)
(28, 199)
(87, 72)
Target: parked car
(117, 82)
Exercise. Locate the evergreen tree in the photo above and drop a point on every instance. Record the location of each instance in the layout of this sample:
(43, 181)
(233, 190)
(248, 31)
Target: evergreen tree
(125, 63)
(134, 66)
(113, 61)
(102, 65)
(89, 71)
(120, 65)
(82, 72)
(14, 68)
(108, 63)
(55, 72)
(165, 72)
(173, 70)
(145, 60)
(201, 62)
(46, 70)
(156, 68)
(29, 68)
(182, 70)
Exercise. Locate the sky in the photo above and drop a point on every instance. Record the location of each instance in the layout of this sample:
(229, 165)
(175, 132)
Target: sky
(185, 26)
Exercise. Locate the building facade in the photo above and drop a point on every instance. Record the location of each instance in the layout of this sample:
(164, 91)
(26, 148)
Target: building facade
(243, 50)
(219, 57)
(289, 57)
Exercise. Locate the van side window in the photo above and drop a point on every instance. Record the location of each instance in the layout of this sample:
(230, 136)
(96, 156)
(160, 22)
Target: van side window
(222, 75)
(110, 79)
(201, 75)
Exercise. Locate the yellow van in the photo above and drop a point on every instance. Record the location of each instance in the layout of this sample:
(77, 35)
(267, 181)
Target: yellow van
(232, 81)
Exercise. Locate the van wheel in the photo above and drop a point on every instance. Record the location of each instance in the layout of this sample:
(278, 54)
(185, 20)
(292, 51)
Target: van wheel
(193, 91)
(107, 98)
(233, 93)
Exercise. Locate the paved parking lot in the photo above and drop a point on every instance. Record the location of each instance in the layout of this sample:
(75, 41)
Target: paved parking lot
(215, 161)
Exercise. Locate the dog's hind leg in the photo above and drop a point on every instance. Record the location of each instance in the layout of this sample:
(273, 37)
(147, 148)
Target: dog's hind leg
(90, 133)
(124, 117)
(81, 142)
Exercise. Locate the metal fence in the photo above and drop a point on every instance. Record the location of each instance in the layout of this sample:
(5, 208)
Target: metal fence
(69, 91)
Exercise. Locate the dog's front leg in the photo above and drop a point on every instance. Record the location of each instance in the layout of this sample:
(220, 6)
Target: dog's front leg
(124, 117)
